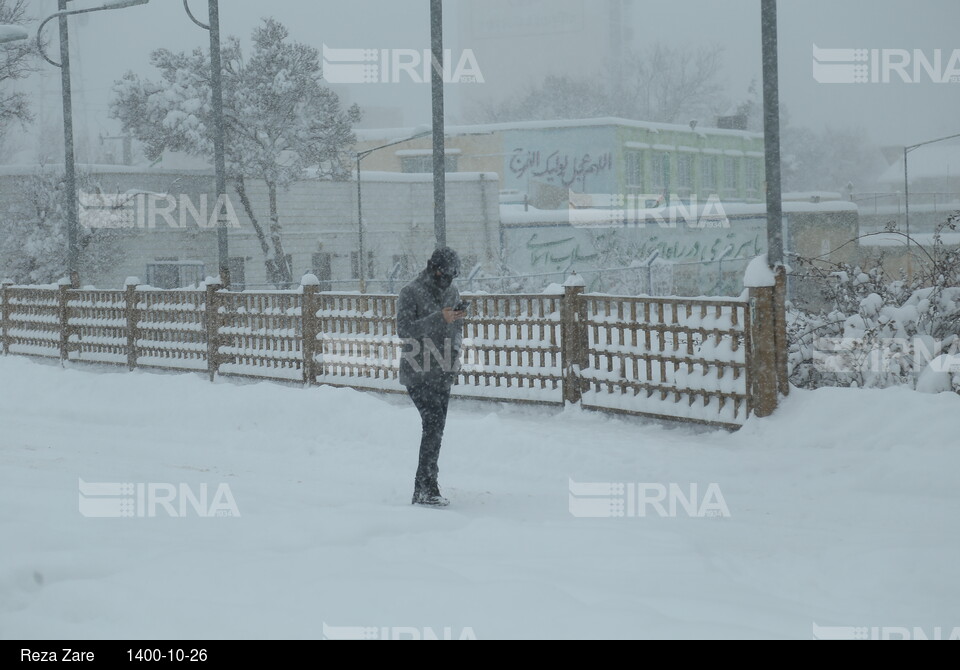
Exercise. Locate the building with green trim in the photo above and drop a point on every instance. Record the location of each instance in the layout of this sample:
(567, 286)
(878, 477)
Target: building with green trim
(542, 162)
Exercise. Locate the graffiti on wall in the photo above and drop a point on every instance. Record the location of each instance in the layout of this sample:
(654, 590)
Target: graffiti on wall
(563, 248)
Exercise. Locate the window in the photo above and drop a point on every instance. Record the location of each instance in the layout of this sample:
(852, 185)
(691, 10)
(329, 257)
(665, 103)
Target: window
(400, 267)
(685, 174)
(424, 164)
(467, 264)
(170, 273)
(355, 266)
(754, 178)
(238, 274)
(322, 265)
(708, 176)
(634, 171)
(274, 271)
(730, 177)
(659, 171)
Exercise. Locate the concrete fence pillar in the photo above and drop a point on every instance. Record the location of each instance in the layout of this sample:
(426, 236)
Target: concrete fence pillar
(767, 357)
(6, 309)
(63, 317)
(132, 317)
(311, 327)
(573, 338)
(213, 329)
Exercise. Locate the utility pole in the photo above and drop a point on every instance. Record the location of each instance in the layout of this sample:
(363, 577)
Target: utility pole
(771, 131)
(439, 143)
(73, 211)
(219, 143)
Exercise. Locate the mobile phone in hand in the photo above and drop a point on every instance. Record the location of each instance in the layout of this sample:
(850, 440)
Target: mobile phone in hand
(463, 306)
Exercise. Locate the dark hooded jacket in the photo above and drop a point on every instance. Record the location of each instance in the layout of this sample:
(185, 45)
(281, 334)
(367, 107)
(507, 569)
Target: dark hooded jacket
(431, 348)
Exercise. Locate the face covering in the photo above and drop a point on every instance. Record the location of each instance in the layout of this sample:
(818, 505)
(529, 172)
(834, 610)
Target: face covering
(443, 281)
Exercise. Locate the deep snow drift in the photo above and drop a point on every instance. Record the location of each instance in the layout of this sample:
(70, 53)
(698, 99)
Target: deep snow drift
(843, 512)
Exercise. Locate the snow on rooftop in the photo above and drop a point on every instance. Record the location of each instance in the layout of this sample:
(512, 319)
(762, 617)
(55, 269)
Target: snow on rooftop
(812, 196)
(897, 240)
(10, 33)
(391, 134)
(92, 168)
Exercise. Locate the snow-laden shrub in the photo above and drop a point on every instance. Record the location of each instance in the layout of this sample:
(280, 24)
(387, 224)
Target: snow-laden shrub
(881, 331)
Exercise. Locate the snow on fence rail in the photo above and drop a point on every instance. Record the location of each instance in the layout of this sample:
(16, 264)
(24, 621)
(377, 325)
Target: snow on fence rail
(695, 359)
(31, 322)
(260, 334)
(510, 347)
(671, 357)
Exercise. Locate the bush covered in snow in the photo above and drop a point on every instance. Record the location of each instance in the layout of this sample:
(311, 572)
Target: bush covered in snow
(880, 331)
(33, 231)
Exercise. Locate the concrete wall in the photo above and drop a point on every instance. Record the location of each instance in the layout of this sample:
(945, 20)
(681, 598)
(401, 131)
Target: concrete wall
(316, 217)
(321, 218)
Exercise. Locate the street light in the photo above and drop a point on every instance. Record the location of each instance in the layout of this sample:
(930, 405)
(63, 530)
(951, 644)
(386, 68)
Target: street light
(906, 192)
(439, 135)
(360, 155)
(73, 215)
(219, 142)
(771, 131)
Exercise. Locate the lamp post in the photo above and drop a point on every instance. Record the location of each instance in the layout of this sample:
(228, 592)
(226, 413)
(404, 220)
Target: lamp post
(219, 141)
(439, 153)
(906, 191)
(360, 155)
(73, 213)
(771, 129)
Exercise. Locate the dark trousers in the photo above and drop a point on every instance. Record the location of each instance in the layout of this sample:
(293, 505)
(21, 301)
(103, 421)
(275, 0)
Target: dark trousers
(431, 400)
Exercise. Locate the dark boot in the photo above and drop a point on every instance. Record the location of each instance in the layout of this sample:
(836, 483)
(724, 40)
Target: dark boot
(428, 495)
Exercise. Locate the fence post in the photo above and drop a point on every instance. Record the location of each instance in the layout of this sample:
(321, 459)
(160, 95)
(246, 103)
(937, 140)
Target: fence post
(7, 310)
(213, 329)
(573, 338)
(132, 316)
(363, 328)
(63, 317)
(780, 331)
(765, 357)
(308, 309)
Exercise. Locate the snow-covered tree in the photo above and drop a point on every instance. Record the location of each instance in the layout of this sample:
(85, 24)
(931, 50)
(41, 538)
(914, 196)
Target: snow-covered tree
(829, 159)
(17, 61)
(876, 330)
(661, 83)
(33, 232)
(670, 84)
(282, 123)
(558, 97)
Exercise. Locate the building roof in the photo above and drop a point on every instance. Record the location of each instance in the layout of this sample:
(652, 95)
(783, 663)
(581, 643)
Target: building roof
(387, 134)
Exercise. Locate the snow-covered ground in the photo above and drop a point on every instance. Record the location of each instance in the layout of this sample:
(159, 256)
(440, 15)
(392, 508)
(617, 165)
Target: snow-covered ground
(842, 512)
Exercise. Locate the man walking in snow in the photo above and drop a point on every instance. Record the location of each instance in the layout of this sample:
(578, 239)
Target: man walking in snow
(429, 318)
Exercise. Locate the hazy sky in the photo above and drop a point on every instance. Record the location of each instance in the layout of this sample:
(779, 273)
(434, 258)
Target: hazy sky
(110, 43)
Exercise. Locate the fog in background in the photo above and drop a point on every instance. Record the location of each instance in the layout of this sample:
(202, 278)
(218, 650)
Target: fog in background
(517, 43)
